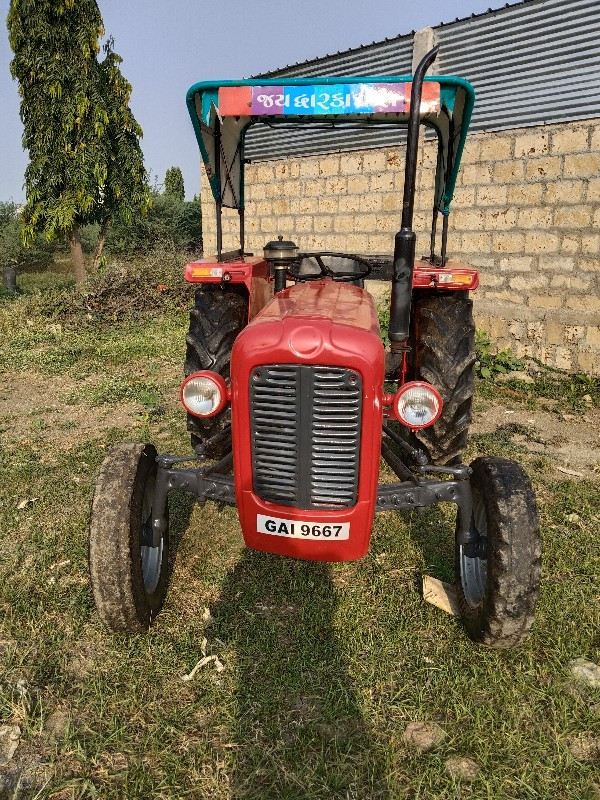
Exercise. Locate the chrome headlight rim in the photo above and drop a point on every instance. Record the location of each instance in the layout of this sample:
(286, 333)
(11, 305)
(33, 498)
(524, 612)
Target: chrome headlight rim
(427, 390)
(219, 388)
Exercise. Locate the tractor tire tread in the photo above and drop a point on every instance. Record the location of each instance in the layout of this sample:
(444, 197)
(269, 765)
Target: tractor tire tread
(444, 356)
(216, 319)
(116, 579)
(507, 610)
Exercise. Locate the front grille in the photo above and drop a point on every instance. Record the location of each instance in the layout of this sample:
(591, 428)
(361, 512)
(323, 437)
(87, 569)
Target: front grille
(305, 425)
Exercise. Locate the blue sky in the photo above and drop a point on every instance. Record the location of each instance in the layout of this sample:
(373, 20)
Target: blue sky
(167, 46)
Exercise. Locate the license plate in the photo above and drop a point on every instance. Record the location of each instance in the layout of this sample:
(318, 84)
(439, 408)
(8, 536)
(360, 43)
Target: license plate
(297, 529)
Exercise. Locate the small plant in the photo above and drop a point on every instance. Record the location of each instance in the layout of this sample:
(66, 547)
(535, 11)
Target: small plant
(383, 312)
(490, 364)
(576, 391)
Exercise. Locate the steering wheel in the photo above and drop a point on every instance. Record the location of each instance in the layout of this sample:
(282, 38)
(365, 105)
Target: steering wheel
(325, 270)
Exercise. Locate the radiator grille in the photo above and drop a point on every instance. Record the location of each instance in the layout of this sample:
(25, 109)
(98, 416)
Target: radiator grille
(305, 435)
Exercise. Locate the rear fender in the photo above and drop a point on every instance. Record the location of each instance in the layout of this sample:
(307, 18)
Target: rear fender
(454, 276)
(251, 271)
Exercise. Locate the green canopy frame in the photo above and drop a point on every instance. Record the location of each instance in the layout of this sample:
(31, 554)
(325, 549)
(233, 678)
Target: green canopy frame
(221, 132)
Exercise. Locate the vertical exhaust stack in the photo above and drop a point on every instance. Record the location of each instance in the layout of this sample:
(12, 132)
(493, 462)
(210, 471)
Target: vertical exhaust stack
(404, 245)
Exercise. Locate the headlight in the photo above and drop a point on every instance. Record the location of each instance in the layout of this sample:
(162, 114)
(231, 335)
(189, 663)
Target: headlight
(417, 405)
(204, 394)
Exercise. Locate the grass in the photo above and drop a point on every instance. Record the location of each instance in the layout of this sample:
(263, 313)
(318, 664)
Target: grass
(324, 664)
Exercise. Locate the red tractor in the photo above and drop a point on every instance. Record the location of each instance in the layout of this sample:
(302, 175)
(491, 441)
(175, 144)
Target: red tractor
(285, 373)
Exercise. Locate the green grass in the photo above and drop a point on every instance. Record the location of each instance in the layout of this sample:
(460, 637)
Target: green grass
(324, 664)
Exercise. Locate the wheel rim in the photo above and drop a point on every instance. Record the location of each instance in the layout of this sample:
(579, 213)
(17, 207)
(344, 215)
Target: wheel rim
(151, 556)
(473, 571)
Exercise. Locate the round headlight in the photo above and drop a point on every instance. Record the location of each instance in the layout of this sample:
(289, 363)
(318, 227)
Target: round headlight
(204, 394)
(418, 405)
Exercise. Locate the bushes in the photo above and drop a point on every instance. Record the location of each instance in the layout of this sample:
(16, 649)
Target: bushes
(137, 287)
(12, 251)
(169, 223)
(143, 289)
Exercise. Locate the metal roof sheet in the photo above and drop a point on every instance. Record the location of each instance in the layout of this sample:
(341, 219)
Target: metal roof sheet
(532, 63)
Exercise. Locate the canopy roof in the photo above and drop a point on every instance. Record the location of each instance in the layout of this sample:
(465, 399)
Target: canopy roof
(222, 112)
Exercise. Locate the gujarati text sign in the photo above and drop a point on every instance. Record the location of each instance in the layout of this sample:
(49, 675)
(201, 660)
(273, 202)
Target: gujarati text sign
(336, 98)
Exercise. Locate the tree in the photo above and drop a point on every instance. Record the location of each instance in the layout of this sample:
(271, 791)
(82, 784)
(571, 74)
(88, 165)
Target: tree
(169, 223)
(12, 252)
(174, 184)
(86, 164)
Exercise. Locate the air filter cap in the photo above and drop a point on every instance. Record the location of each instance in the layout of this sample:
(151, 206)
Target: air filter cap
(278, 250)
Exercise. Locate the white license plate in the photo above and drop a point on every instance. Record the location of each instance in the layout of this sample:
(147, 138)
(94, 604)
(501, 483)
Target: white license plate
(297, 529)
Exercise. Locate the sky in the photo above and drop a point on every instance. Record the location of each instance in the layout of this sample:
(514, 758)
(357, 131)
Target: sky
(167, 46)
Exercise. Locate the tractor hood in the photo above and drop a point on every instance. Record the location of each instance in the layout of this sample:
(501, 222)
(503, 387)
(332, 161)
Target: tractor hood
(306, 409)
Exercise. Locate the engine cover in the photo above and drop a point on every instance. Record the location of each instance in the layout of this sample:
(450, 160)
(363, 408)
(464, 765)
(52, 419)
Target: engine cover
(306, 405)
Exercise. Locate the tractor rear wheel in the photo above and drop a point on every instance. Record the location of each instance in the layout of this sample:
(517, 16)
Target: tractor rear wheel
(497, 589)
(217, 318)
(443, 353)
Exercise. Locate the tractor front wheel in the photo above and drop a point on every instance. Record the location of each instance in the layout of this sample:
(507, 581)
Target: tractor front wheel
(217, 318)
(443, 353)
(129, 577)
(498, 588)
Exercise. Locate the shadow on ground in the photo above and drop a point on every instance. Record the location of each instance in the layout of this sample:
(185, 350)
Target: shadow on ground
(299, 730)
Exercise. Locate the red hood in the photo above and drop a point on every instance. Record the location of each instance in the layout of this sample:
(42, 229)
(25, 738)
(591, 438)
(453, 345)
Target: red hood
(320, 323)
(340, 302)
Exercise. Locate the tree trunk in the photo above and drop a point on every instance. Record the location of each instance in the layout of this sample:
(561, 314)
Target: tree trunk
(77, 257)
(9, 279)
(100, 244)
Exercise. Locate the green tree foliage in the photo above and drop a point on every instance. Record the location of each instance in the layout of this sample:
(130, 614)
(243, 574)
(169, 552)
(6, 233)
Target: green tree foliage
(169, 223)
(12, 251)
(174, 184)
(86, 164)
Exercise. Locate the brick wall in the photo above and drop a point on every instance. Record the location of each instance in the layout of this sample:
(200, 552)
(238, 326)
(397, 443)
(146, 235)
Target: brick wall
(526, 213)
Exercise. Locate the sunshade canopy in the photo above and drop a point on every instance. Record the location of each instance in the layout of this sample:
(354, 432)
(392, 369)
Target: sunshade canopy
(222, 112)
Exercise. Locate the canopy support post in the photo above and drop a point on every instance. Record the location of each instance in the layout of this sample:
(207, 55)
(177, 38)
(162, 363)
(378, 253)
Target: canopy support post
(242, 231)
(444, 240)
(433, 233)
(447, 210)
(219, 205)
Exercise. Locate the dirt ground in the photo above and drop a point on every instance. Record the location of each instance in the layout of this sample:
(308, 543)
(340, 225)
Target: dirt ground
(63, 423)
(570, 442)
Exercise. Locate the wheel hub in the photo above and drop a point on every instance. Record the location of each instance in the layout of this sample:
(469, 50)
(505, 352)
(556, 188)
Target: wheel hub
(151, 556)
(473, 556)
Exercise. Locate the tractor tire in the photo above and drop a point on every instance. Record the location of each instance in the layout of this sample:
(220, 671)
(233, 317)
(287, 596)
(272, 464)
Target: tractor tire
(216, 320)
(497, 593)
(129, 579)
(443, 353)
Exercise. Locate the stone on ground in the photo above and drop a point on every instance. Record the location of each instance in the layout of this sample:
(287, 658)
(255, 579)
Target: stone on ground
(423, 736)
(57, 724)
(9, 741)
(585, 748)
(585, 671)
(465, 768)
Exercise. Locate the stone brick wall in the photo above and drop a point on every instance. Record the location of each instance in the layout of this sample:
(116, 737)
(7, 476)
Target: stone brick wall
(526, 213)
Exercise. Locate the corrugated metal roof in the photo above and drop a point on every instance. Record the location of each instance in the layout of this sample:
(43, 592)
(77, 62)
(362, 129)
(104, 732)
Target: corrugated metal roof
(392, 40)
(532, 63)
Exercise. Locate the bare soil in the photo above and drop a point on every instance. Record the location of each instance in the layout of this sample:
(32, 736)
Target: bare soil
(570, 442)
(62, 424)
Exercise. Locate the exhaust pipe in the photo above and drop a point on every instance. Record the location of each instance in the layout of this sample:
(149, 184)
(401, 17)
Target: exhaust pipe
(405, 241)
